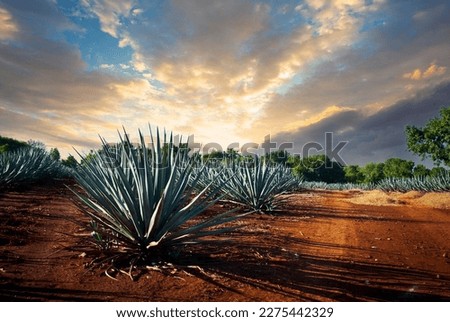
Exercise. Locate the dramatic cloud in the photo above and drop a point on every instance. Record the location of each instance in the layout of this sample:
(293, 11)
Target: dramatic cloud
(376, 137)
(370, 75)
(225, 71)
(46, 82)
(227, 60)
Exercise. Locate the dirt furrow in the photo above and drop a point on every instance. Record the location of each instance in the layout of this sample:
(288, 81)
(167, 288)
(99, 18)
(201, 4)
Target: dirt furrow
(318, 247)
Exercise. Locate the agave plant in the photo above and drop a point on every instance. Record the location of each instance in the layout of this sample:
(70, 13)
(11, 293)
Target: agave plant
(314, 185)
(426, 184)
(143, 198)
(257, 185)
(28, 165)
(336, 186)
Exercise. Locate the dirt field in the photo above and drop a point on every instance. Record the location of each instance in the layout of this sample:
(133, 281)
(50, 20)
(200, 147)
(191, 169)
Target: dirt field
(321, 247)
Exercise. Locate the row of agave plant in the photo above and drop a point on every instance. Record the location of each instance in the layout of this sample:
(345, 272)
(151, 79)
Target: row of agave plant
(312, 185)
(146, 202)
(426, 184)
(143, 200)
(28, 165)
(439, 183)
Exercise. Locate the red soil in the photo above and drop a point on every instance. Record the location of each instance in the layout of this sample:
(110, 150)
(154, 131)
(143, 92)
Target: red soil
(320, 247)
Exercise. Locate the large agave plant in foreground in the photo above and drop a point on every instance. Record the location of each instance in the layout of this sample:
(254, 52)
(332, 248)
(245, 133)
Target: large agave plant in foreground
(141, 199)
(257, 186)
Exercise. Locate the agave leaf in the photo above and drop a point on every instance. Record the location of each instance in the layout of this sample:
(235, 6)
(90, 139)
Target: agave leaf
(257, 187)
(27, 165)
(144, 197)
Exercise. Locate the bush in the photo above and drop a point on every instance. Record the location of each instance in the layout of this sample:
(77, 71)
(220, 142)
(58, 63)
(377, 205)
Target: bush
(9, 144)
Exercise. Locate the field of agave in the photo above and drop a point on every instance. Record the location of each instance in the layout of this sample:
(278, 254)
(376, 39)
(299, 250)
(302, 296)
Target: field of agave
(426, 184)
(145, 201)
(28, 165)
(439, 183)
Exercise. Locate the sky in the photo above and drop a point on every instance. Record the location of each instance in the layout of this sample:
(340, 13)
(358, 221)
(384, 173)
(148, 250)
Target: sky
(224, 71)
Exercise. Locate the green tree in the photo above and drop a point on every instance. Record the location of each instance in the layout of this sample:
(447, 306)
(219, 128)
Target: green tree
(433, 140)
(232, 154)
(293, 161)
(36, 144)
(320, 168)
(54, 154)
(277, 157)
(182, 147)
(70, 162)
(373, 172)
(353, 174)
(398, 168)
(421, 171)
(437, 171)
(9, 144)
(89, 157)
(214, 155)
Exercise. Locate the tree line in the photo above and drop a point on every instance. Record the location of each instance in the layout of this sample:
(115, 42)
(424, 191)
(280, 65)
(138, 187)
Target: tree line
(431, 141)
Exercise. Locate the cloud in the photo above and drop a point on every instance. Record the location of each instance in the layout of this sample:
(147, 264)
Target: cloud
(107, 66)
(222, 70)
(226, 60)
(368, 75)
(35, 18)
(209, 49)
(137, 11)
(432, 71)
(8, 28)
(57, 134)
(110, 12)
(376, 137)
(329, 16)
(46, 90)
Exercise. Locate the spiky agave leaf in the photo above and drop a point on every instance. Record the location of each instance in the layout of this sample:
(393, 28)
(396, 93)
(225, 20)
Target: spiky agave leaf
(257, 186)
(320, 185)
(426, 184)
(28, 165)
(144, 195)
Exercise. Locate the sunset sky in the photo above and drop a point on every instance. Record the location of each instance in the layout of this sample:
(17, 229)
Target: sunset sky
(225, 71)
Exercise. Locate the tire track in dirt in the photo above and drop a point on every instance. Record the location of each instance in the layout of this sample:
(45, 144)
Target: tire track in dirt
(360, 252)
(319, 247)
(412, 241)
(414, 236)
(325, 225)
